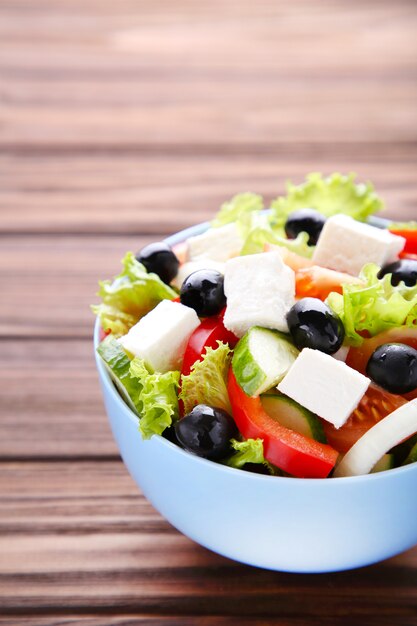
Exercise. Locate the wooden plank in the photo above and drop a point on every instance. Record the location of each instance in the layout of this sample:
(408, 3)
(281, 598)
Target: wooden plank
(145, 620)
(132, 619)
(74, 498)
(51, 402)
(165, 574)
(79, 537)
(270, 117)
(123, 110)
(48, 283)
(274, 33)
(164, 192)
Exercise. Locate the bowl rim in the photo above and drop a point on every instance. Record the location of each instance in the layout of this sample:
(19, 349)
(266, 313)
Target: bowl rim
(174, 239)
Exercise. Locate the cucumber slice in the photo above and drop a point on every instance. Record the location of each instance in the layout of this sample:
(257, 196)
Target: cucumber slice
(117, 364)
(293, 416)
(402, 451)
(412, 456)
(385, 463)
(261, 359)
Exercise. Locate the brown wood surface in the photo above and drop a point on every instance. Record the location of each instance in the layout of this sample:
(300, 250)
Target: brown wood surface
(121, 122)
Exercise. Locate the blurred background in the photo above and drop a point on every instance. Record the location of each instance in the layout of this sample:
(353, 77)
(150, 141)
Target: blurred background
(120, 116)
(135, 118)
(122, 122)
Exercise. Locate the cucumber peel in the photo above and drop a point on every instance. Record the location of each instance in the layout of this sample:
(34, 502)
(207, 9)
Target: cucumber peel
(261, 359)
(117, 363)
(386, 462)
(292, 415)
(412, 456)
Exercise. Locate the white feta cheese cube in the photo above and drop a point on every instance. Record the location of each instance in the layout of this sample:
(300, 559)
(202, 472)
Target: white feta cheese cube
(346, 245)
(193, 266)
(161, 336)
(217, 244)
(260, 290)
(324, 385)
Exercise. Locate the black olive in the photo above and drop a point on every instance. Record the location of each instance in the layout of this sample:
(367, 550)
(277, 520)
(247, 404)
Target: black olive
(393, 366)
(404, 270)
(206, 431)
(308, 221)
(256, 468)
(169, 433)
(313, 324)
(159, 259)
(203, 291)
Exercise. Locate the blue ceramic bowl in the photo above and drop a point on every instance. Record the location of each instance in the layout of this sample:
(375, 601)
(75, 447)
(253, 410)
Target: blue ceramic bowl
(286, 524)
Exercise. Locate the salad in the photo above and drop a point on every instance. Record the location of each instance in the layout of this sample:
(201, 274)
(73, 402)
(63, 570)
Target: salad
(281, 340)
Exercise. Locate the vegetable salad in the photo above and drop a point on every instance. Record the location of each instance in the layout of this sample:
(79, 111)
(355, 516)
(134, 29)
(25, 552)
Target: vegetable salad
(282, 340)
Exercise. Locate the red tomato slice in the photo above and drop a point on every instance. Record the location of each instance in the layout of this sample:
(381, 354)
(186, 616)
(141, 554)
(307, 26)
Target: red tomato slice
(410, 237)
(408, 255)
(292, 452)
(375, 405)
(318, 282)
(210, 331)
(358, 357)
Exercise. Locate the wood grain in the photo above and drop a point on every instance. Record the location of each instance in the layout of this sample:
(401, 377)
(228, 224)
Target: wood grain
(132, 618)
(49, 283)
(157, 112)
(49, 522)
(51, 406)
(119, 124)
(161, 192)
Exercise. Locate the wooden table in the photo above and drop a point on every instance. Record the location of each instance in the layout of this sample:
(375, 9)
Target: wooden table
(121, 122)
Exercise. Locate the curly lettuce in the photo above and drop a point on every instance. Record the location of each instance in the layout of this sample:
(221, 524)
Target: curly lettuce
(237, 207)
(336, 193)
(258, 237)
(374, 306)
(129, 296)
(207, 381)
(157, 403)
(248, 451)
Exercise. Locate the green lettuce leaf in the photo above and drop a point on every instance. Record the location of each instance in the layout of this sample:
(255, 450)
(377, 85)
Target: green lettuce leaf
(248, 451)
(239, 206)
(158, 400)
(207, 381)
(128, 297)
(256, 230)
(337, 193)
(248, 222)
(374, 306)
(258, 237)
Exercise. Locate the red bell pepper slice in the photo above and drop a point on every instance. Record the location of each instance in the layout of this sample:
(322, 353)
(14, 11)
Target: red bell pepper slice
(294, 453)
(410, 237)
(210, 331)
